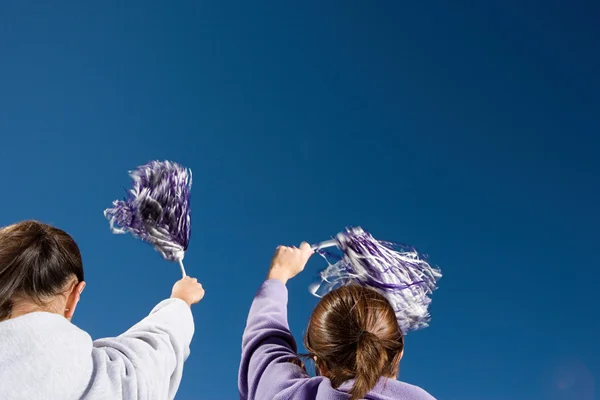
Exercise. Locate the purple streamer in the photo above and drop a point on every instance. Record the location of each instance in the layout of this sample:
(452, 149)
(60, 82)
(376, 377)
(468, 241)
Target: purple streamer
(157, 208)
(397, 271)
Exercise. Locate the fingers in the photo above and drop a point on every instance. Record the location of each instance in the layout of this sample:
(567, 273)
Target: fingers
(305, 247)
(201, 293)
(306, 250)
(193, 282)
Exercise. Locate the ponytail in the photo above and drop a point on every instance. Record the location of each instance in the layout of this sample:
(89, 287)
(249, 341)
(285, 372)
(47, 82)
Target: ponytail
(353, 333)
(371, 361)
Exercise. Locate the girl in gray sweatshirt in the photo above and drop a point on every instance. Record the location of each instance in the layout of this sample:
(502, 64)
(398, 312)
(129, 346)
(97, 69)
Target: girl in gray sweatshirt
(44, 356)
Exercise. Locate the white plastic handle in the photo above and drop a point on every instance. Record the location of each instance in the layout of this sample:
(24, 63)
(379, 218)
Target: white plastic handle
(325, 244)
(182, 268)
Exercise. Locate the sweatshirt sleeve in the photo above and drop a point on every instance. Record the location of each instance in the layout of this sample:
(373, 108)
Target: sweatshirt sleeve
(267, 369)
(146, 362)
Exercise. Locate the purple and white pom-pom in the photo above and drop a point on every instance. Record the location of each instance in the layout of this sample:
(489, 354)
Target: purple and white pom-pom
(398, 272)
(157, 209)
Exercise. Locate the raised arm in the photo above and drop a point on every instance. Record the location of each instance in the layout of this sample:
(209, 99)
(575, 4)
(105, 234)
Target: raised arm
(146, 362)
(269, 367)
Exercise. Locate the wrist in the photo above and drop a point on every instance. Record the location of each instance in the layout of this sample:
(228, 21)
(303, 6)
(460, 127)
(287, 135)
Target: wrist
(182, 299)
(278, 274)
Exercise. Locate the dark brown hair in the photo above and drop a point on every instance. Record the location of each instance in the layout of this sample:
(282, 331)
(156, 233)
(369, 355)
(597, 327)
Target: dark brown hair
(36, 261)
(354, 334)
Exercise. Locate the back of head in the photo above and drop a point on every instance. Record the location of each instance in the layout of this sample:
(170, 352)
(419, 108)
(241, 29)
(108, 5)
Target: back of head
(353, 334)
(36, 262)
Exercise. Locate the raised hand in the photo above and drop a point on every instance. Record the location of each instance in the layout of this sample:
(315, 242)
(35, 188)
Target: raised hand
(289, 261)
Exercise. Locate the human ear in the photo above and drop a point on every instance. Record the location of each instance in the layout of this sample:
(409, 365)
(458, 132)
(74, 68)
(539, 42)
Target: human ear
(73, 299)
(319, 369)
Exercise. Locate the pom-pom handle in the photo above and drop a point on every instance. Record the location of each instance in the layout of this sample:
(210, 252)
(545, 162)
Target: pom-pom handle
(183, 274)
(324, 245)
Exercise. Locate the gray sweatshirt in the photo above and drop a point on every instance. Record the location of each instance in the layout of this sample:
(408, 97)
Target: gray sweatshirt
(44, 356)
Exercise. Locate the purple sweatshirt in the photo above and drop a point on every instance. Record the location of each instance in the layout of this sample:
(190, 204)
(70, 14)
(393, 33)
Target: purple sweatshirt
(268, 347)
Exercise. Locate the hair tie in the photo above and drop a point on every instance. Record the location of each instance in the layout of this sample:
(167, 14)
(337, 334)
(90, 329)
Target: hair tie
(364, 333)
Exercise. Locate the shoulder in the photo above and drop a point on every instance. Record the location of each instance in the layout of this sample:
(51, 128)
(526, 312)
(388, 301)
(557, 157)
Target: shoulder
(416, 392)
(305, 388)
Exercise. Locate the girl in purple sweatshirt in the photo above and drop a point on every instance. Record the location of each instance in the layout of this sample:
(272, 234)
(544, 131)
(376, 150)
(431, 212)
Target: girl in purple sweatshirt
(353, 337)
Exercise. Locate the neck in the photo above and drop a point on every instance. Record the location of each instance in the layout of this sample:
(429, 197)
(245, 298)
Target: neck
(22, 307)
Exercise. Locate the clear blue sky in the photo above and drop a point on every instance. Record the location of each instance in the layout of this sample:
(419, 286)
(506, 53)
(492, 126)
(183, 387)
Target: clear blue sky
(470, 130)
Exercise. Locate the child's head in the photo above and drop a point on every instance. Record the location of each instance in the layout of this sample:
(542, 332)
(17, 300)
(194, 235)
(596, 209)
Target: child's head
(40, 270)
(353, 334)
